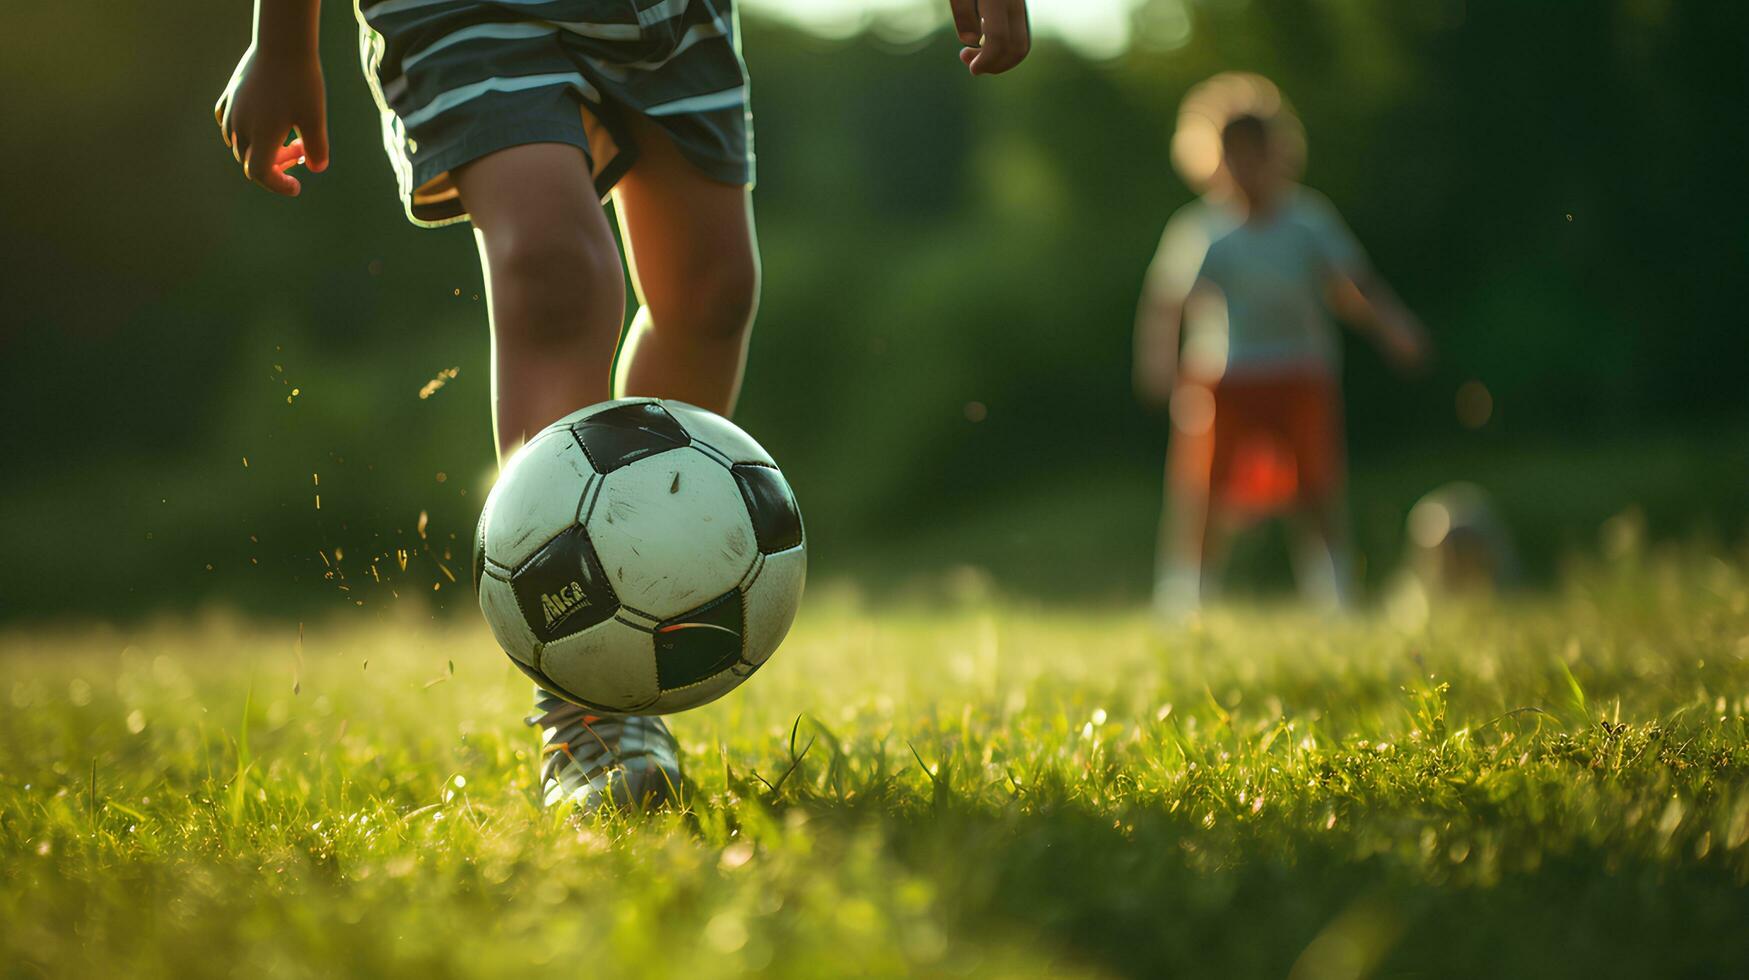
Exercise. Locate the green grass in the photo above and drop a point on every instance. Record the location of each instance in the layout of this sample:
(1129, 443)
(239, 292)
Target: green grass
(1547, 785)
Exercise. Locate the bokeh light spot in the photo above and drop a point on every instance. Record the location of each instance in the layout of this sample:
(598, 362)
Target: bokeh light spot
(1475, 404)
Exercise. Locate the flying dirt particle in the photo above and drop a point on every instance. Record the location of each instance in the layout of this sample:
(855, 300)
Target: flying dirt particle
(424, 519)
(437, 382)
(245, 462)
(318, 501)
(442, 477)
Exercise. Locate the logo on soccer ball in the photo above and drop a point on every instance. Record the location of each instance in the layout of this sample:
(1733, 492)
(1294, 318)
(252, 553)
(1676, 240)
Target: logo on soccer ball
(559, 606)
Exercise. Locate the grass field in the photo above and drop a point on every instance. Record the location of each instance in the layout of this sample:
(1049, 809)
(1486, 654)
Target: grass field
(1547, 785)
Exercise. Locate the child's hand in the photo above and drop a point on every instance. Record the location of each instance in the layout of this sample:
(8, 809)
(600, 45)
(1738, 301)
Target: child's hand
(1405, 345)
(996, 33)
(269, 96)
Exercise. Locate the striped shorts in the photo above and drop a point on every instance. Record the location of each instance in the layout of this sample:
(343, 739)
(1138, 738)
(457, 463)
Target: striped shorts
(459, 79)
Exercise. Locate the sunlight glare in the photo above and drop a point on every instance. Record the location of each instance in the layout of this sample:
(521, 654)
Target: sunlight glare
(1094, 28)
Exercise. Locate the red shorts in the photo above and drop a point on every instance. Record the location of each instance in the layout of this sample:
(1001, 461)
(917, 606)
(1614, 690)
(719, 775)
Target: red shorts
(1258, 444)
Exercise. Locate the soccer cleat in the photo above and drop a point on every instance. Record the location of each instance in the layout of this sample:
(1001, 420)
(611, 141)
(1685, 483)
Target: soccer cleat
(593, 761)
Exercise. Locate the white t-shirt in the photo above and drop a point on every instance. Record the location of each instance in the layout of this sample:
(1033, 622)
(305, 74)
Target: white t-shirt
(1254, 295)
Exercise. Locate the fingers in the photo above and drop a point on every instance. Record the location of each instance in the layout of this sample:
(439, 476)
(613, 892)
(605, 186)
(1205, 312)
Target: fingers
(1007, 37)
(1020, 23)
(262, 167)
(313, 136)
(265, 161)
(1409, 352)
(994, 53)
(965, 21)
(222, 116)
(290, 155)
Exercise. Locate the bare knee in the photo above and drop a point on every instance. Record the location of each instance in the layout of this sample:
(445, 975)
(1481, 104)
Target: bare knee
(716, 305)
(551, 284)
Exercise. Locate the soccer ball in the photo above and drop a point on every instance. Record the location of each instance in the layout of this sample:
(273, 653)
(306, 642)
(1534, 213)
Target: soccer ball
(640, 557)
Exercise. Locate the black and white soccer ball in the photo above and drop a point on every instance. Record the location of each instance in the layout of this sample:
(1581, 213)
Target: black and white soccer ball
(640, 557)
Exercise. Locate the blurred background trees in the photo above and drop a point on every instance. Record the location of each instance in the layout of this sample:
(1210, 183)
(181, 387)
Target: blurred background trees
(942, 357)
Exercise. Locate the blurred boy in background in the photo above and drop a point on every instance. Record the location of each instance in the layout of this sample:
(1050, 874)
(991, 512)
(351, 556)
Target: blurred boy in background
(1234, 334)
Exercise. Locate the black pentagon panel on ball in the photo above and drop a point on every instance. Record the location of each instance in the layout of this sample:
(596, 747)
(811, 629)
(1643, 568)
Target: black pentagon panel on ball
(561, 589)
(627, 433)
(777, 522)
(699, 645)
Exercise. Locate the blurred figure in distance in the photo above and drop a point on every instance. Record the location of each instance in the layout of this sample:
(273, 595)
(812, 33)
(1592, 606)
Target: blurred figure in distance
(1235, 336)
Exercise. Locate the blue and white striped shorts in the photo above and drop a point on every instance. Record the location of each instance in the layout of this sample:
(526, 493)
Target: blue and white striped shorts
(459, 79)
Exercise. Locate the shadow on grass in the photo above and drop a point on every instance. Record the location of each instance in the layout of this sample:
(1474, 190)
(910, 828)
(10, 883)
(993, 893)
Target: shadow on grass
(1159, 894)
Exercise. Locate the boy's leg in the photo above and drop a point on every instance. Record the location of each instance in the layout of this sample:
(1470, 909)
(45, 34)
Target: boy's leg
(695, 265)
(1178, 569)
(554, 288)
(1323, 556)
(556, 296)
(1323, 564)
(1223, 525)
(1186, 512)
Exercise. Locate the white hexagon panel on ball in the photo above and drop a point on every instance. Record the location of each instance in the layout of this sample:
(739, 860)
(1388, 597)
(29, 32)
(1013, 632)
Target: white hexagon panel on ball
(671, 531)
